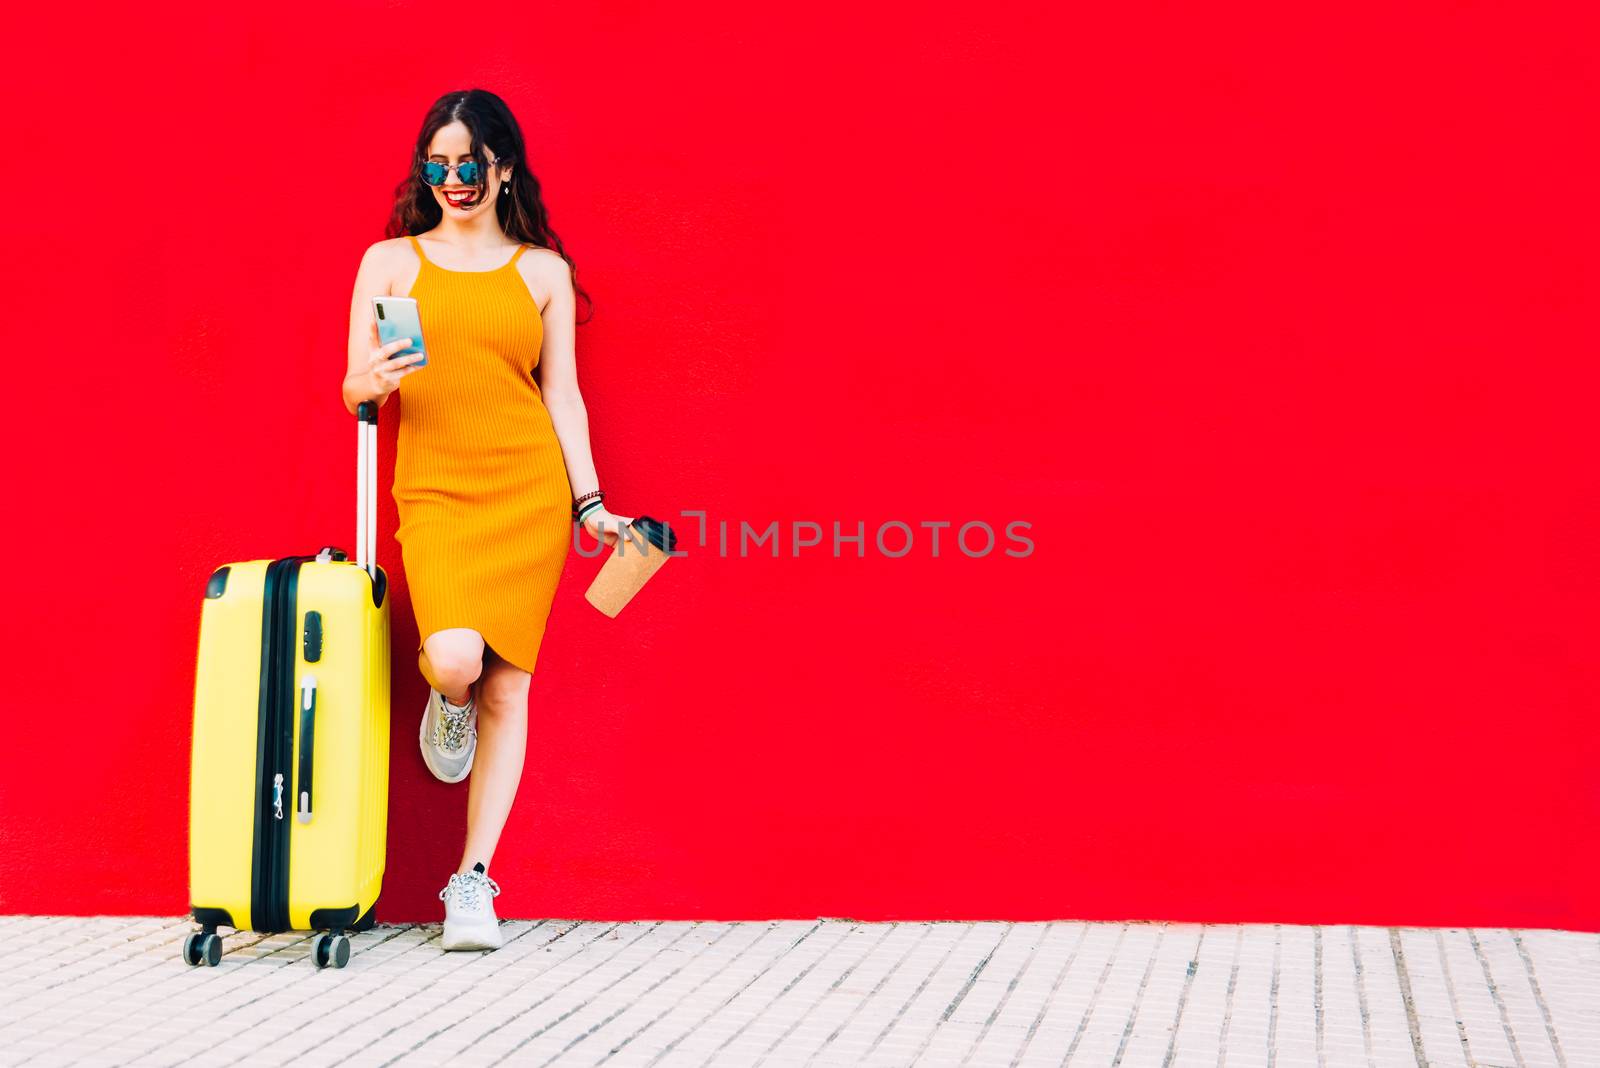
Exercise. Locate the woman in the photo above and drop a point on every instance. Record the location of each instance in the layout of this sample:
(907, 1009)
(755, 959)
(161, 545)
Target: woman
(492, 461)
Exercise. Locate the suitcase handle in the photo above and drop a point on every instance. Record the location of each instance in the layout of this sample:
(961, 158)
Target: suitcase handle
(308, 725)
(367, 487)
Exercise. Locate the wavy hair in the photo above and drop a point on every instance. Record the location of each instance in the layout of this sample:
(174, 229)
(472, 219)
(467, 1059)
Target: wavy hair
(520, 209)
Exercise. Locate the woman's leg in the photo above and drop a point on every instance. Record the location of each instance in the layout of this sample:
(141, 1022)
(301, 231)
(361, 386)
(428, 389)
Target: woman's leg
(497, 767)
(451, 660)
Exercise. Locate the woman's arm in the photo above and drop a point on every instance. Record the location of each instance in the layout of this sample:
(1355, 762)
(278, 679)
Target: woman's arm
(370, 282)
(558, 375)
(558, 383)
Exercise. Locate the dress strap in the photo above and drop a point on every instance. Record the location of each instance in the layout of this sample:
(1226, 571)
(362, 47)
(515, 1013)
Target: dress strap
(517, 255)
(418, 246)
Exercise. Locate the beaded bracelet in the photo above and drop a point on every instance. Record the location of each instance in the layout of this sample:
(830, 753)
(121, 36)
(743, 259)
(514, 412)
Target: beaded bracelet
(600, 494)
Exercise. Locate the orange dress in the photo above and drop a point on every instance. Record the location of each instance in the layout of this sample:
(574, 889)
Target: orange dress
(480, 484)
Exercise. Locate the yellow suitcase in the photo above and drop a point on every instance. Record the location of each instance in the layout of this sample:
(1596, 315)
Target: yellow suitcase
(289, 777)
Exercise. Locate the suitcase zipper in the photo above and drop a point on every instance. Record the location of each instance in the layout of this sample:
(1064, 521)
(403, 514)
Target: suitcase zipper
(261, 911)
(287, 646)
(269, 902)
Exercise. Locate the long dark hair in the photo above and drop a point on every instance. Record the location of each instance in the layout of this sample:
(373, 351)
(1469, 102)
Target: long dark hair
(520, 209)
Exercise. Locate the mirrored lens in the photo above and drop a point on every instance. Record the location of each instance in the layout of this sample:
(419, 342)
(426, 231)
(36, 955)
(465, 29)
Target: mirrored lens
(435, 173)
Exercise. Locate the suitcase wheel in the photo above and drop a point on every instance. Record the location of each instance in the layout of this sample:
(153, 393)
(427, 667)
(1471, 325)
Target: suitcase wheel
(202, 947)
(331, 949)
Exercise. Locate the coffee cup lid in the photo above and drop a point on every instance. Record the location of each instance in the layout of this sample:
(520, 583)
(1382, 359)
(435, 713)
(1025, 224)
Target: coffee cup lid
(656, 532)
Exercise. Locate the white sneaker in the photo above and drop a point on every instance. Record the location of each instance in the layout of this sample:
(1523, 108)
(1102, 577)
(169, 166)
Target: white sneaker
(448, 736)
(469, 919)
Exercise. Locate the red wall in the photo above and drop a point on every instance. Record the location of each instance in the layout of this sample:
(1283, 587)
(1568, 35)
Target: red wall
(1279, 330)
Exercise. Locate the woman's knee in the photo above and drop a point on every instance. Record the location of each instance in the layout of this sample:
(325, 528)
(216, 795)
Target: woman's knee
(456, 657)
(504, 688)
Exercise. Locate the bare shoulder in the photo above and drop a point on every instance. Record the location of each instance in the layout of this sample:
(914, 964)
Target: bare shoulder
(393, 251)
(391, 259)
(546, 273)
(387, 247)
(546, 262)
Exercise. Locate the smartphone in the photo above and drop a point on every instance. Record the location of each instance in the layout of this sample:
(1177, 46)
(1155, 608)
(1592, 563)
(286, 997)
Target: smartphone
(397, 318)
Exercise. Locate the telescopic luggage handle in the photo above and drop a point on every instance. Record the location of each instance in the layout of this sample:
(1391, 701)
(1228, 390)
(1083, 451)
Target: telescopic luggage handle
(366, 493)
(367, 487)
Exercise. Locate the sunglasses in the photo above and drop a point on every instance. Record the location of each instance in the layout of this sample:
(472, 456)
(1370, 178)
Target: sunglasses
(467, 170)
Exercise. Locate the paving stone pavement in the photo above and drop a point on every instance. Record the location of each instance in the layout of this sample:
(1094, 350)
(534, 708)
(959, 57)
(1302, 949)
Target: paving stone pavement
(112, 990)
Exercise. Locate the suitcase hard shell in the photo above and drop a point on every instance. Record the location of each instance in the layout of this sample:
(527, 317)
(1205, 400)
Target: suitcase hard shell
(289, 776)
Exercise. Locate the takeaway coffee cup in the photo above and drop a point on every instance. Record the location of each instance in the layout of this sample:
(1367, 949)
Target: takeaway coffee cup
(640, 552)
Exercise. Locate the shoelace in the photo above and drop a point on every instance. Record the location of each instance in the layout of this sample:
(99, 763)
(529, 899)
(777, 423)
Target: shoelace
(451, 729)
(467, 888)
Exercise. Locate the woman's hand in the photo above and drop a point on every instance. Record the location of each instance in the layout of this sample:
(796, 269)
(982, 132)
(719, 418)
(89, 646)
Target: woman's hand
(605, 526)
(383, 372)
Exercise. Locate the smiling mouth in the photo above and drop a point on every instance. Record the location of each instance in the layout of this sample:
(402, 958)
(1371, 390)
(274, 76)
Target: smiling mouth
(459, 200)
